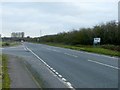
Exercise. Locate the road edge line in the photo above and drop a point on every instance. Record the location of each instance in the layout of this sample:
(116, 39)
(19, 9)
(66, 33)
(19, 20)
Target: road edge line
(66, 82)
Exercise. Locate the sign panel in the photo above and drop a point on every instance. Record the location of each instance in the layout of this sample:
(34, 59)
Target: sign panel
(97, 40)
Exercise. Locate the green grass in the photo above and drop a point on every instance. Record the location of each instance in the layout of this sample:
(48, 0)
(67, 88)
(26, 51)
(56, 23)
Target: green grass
(5, 75)
(0, 44)
(15, 43)
(97, 49)
(0, 71)
(7, 44)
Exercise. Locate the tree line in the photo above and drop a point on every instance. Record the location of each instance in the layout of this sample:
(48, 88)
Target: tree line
(108, 32)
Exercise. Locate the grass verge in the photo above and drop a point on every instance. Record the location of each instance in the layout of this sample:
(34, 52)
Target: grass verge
(5, 75)
(0, 72)
(92, 49)
(7, 44)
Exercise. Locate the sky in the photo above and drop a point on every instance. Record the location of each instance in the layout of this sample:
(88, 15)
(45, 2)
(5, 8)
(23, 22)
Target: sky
(39, 18)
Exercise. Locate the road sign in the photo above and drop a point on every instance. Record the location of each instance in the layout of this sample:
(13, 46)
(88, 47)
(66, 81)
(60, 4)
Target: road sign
(96, 40)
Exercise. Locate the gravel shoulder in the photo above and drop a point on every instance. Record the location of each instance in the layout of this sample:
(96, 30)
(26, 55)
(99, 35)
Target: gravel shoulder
(19, 74)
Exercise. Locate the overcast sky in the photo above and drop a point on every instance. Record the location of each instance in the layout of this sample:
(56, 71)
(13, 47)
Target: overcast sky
(54, 17)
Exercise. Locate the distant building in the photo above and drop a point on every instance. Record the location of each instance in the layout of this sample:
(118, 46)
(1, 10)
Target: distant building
(17, 34)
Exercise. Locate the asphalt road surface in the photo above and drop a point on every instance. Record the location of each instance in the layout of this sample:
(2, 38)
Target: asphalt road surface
(77, 69)
(20, 77)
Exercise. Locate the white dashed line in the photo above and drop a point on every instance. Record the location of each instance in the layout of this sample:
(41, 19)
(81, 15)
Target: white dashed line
(48, 66)
(69, 84)
(56, 73)
(60, 76)
(104, 64)
(71, 55)
(52, 70)
(64, 53)
(63, 79)
(25, 48)
(53, 50)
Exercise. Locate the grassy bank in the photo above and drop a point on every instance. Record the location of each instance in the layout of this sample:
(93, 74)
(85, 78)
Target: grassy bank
(97, 49)
(7, 44)
(0, 72)
(5, 75)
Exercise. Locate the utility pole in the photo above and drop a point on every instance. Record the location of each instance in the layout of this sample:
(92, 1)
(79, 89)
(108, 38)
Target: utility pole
(40, 35)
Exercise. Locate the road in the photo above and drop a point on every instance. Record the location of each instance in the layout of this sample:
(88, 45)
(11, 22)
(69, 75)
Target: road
(77, 69)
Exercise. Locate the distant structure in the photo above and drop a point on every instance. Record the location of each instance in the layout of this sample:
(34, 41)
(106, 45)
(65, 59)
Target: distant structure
(119, 11)
(17, 35)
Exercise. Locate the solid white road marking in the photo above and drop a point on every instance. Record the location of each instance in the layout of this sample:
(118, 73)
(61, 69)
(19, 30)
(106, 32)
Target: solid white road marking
(104, 64)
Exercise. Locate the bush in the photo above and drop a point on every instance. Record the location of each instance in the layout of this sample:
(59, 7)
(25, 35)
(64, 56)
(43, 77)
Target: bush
(111, 47)
(5, 44)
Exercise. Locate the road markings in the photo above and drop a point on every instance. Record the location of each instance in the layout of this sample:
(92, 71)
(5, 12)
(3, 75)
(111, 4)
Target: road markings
(71, 55)
(24, 47)
(95, 54)
(53, 50)
(64, 79)
(104, 64)
(52, 70)
(60, 76)
(57, 73)
(48, 66)
(69, 84)
(64, 53)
